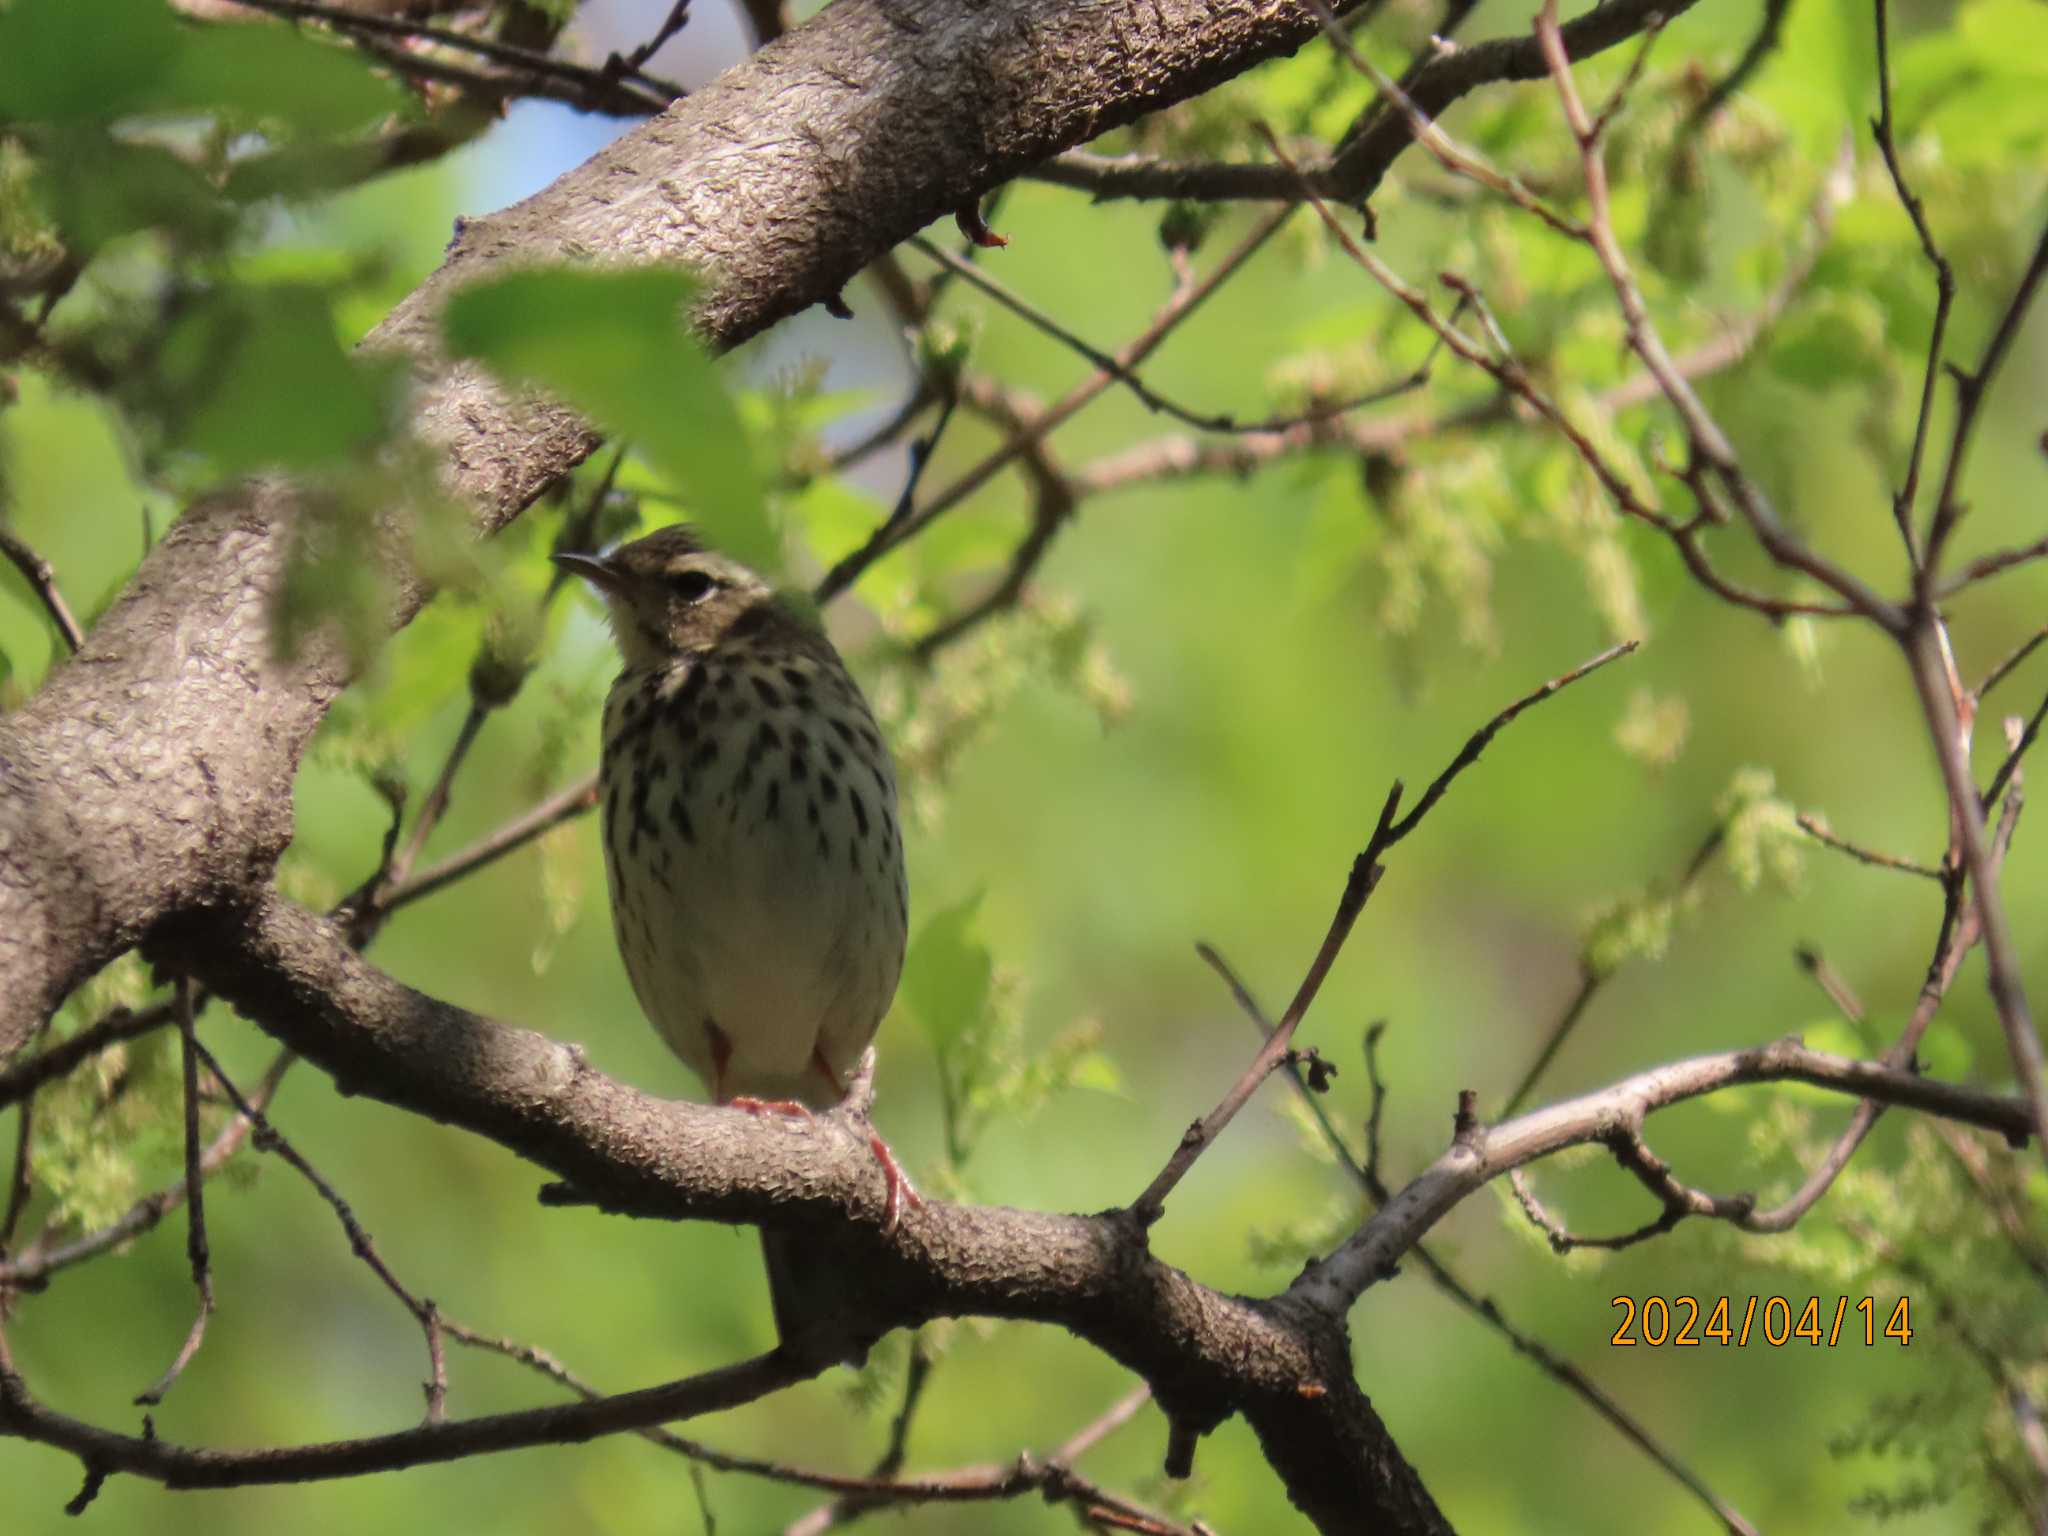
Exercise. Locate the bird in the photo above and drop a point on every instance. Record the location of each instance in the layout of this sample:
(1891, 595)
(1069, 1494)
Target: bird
(752, 846)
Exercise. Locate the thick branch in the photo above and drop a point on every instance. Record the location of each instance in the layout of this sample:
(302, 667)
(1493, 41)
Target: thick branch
(1205, 1354)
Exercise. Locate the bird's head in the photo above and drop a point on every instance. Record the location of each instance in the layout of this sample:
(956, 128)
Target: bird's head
(668, 595)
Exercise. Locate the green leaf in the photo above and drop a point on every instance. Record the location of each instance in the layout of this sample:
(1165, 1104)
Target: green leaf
(100, 61)
(278, 77)
(1837, 341)
(95, 189)
(240, 369)
(1097, 1071)
(84, 60)
(614, 346)
(947, 974)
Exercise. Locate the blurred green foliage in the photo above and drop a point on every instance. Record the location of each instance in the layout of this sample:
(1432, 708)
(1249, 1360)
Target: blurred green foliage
(1183, 730)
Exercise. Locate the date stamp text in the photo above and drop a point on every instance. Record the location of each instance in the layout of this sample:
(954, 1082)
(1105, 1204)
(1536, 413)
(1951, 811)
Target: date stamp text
(1815, 1321)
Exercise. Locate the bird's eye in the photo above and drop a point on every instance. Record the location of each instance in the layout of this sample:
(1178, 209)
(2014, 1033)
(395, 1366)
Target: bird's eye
(694, 586)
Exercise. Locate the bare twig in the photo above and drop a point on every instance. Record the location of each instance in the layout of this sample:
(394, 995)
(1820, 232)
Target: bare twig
(270, 1139)
(1482, 1153)
(1971, 388)
(1205, 421)
(1025, 1475)
(1479, 739)
(38, 1262)
(180, 1466)
(563, 805)
(63, 1058)
(1184, 303)
(1830, 981)
(1358, 887)
(1710, 447)
(2010, 766)
(1985, 566)
(21, 1183)
(197, 1252)
(1931, 677)
(1881, 129)
(1818, 829)
(1454, 156)
(1567, 1375)
(42, 579)
(2009, 664)
(1761, 44)
(606, 89)
(1679, 1200)
(678, 17)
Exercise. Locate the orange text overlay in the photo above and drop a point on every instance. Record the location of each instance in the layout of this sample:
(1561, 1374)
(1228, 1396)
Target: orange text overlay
(1815, 1321)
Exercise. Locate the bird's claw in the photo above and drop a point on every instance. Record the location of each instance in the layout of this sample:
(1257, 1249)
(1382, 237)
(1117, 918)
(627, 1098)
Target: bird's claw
(900, 1187)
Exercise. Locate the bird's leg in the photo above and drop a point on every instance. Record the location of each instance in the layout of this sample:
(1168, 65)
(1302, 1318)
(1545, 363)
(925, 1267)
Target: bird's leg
(900, 1187)
(721, 1057)
(754, 1106)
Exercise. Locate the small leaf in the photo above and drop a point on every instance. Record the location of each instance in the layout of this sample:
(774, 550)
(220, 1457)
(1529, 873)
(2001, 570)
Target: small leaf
(239, 368)
(947, 976)
(613, 345)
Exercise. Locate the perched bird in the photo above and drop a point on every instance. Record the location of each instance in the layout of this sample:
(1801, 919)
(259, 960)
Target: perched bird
(750, 838)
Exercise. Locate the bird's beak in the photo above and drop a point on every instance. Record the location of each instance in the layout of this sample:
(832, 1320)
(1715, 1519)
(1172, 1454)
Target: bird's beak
(595, 569)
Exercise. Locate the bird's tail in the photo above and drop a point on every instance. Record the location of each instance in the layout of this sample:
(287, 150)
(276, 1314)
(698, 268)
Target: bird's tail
(808, 1319)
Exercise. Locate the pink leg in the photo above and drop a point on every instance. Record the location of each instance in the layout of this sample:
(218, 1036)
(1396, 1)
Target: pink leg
(754, 1106)
(900, 1187)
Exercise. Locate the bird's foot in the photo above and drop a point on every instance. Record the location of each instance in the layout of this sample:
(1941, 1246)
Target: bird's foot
(900, 1187)
(754, 1106)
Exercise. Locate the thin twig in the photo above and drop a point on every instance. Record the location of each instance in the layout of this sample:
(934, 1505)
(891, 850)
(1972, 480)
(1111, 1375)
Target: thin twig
(159, 1459)
(1761, 44)
(42, 579)
(592, 86)
(2009, 664)
(1881, 129)
(1817, 829)
(1931, 679)
(197, 1253)
(1185, 302)
(563, 805)
(1204, 421)
(1452, 155)
(1708, 443)
(1830, 981)
(21, 1183)
(1972, 387)
(2011, 764)
(1481, 738)
(1358, 888)
(1481, 1153)
(1367, 1176)
(678, 16)
(64, 1057)
(968, 1482)
(270, 1139)
(38, 1261)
